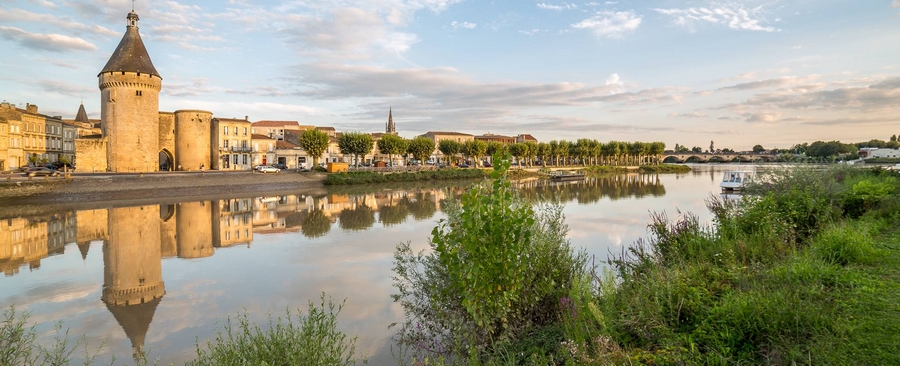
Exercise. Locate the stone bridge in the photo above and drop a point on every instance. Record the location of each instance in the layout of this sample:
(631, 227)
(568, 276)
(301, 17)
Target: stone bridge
(716, 158)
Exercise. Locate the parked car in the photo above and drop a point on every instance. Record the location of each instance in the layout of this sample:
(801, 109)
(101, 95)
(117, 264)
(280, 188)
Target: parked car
(280, 166)
(463, 165)
(487, 165)
(33, 172)
(269, 169)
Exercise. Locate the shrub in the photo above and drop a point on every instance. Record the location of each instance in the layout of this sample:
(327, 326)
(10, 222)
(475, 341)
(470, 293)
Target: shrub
(296, 339)
(845, 243)
(497, 271)
(19, 345)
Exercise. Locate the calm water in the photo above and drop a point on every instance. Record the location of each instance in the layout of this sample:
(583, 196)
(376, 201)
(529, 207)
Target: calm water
(157, 278)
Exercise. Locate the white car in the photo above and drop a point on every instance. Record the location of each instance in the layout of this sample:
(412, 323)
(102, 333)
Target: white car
(268, 169)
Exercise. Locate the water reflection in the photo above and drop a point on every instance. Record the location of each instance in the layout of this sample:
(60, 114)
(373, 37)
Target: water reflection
(137, 241)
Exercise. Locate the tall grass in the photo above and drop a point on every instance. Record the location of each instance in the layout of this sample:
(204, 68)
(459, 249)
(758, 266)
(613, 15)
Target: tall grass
(19, 345)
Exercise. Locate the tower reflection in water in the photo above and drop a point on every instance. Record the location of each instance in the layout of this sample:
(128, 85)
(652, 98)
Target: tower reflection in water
(137, 239)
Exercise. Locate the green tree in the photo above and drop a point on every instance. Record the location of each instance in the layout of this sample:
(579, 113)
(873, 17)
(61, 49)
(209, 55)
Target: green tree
(358, 219)
(314, 142)
(392, 145)
(894, 138)
(712, 147)
(517, 150)
(421, 148)
(356, 144)
(315, 224)
(450, 149)
(758, 149)
(531, 150)
(476, 149)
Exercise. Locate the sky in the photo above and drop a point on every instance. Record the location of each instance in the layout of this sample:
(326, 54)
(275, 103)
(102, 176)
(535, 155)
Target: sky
(739, 73)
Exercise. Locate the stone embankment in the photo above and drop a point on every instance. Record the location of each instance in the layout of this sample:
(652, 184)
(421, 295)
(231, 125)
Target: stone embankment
(18, 193)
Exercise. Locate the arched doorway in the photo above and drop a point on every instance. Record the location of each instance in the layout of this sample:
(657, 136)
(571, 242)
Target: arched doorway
(166, 161)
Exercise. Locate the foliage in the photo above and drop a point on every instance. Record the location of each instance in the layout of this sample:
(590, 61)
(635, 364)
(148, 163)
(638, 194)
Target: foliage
(758, 149)
(19, 345)
(829, 149)
(296, 339)
(425, 175)
(421, 148)
(315, 224)
(358, 218)
(497, 270)
(476, 149)
(392, 145)
(314, 142)
(450, 148)
(357, 144)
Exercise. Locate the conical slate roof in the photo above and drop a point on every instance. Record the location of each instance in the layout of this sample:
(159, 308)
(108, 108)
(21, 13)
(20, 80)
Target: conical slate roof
(135, 321)
(130, 55)
(81, 116)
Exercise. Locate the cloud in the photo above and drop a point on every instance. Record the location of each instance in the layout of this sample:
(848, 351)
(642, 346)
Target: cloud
(773, 83)
(610, 24)
(464, 25)
(72, 90)
(763, 116)
(530, 32)
(349, 33)
(563, 6)
(45, 42)
(44, 3)
(20, 15)
(689, 115)
(896, 3)
(735, 16)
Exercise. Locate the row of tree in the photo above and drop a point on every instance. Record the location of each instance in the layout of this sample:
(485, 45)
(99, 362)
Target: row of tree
(580, 152)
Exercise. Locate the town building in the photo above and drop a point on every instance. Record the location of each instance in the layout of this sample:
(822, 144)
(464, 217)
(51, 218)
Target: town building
(278, 129)
(263, 152)
(525, 138)
(489, 137)
(873, 153)
(232, 143)
(438, 136)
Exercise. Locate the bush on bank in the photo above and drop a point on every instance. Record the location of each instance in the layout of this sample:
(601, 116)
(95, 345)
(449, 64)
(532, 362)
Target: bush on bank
(783, 276)
(372, 177)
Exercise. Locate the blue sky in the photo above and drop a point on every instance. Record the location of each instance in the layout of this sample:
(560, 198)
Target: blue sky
(773, 72)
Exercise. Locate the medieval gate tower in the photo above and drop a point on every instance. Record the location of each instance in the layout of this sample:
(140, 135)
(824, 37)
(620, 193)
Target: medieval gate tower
(129, 105)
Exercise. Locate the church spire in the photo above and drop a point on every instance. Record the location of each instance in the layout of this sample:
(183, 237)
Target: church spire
(390, 128)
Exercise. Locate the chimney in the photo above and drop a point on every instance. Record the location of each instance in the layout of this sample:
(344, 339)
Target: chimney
(31, 108)
(246, 118)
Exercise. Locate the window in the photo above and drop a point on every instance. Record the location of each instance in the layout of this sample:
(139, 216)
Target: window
(225, 132)
(138, 93)
(236, 158)
(245, 131)
(235, 130)
(245, 159)
(226, 142)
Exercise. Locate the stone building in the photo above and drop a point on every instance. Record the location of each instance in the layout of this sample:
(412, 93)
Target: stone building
(263, 149)
(490, 137)
(129, 105)
(438, 136)
(29, 137)
(232, 144)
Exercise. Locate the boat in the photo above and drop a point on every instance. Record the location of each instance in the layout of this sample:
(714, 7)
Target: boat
(562, 176)
(734, 180)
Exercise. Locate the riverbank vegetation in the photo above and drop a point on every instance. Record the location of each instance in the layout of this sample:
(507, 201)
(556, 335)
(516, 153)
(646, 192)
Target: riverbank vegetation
(662, 168)
(803, 270)
(297, 338)
(425, 175)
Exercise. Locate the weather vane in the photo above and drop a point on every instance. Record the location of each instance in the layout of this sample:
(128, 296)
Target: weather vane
(132, 5)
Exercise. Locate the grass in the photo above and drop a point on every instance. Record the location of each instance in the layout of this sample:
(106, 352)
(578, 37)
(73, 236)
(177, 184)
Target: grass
(430, 175)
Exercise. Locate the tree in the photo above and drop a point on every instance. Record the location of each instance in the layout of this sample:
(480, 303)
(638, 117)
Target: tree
(758, 149)
(357, 144)
(315, 224)
(697, 149)
(449, 148)
(314, 142)
(894, 138)
(712, 147)
(476, 149)
(421, 148)
(392, 145)
(531, 151)
(517, 150)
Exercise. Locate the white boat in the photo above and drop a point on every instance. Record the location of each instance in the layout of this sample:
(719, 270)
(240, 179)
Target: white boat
(734, 180)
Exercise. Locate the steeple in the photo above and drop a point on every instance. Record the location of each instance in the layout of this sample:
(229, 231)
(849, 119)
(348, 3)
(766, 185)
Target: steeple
(131, 55)
(390, 129)
(82, 116)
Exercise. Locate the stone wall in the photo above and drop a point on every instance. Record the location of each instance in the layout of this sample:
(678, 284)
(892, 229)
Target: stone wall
(132, 262)
(193, 140)
(129, 111)
(167, 134)
(194, 229)
(90, 155)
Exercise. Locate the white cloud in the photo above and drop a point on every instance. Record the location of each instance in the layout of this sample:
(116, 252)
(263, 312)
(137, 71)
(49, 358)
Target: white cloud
(735, 16)
(464, 25)
(20, 15)
(46, 42)
(763, 116)
(44, 3)
(689, 115)
(610, 24)
(896, 3)
(563, 6)
(530, 32)
(774, 83)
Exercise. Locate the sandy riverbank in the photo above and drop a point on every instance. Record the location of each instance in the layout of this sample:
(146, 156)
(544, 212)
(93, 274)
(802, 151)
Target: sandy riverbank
(20, 196)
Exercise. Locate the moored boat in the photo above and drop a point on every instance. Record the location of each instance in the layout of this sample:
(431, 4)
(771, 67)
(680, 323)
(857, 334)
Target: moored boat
(560, 176)
(734, 180)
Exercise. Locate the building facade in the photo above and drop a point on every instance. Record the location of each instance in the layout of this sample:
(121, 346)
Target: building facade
(232, 144)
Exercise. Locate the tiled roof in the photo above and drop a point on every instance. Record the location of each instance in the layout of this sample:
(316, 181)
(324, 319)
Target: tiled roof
(231, 119)
(257, 136)
(527, 137)
(325, 128)
(275, 123)
(285, 145)
(493, 136)
(447, 133)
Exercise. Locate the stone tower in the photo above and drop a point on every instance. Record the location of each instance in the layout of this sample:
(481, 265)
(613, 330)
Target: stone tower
(390, 129)
(129, 105)
(132, 270)
(193, 139)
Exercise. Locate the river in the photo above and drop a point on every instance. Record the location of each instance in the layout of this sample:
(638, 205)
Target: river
(154, 279)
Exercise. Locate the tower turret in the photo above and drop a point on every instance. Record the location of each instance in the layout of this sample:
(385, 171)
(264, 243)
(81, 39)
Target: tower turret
(129, 104)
